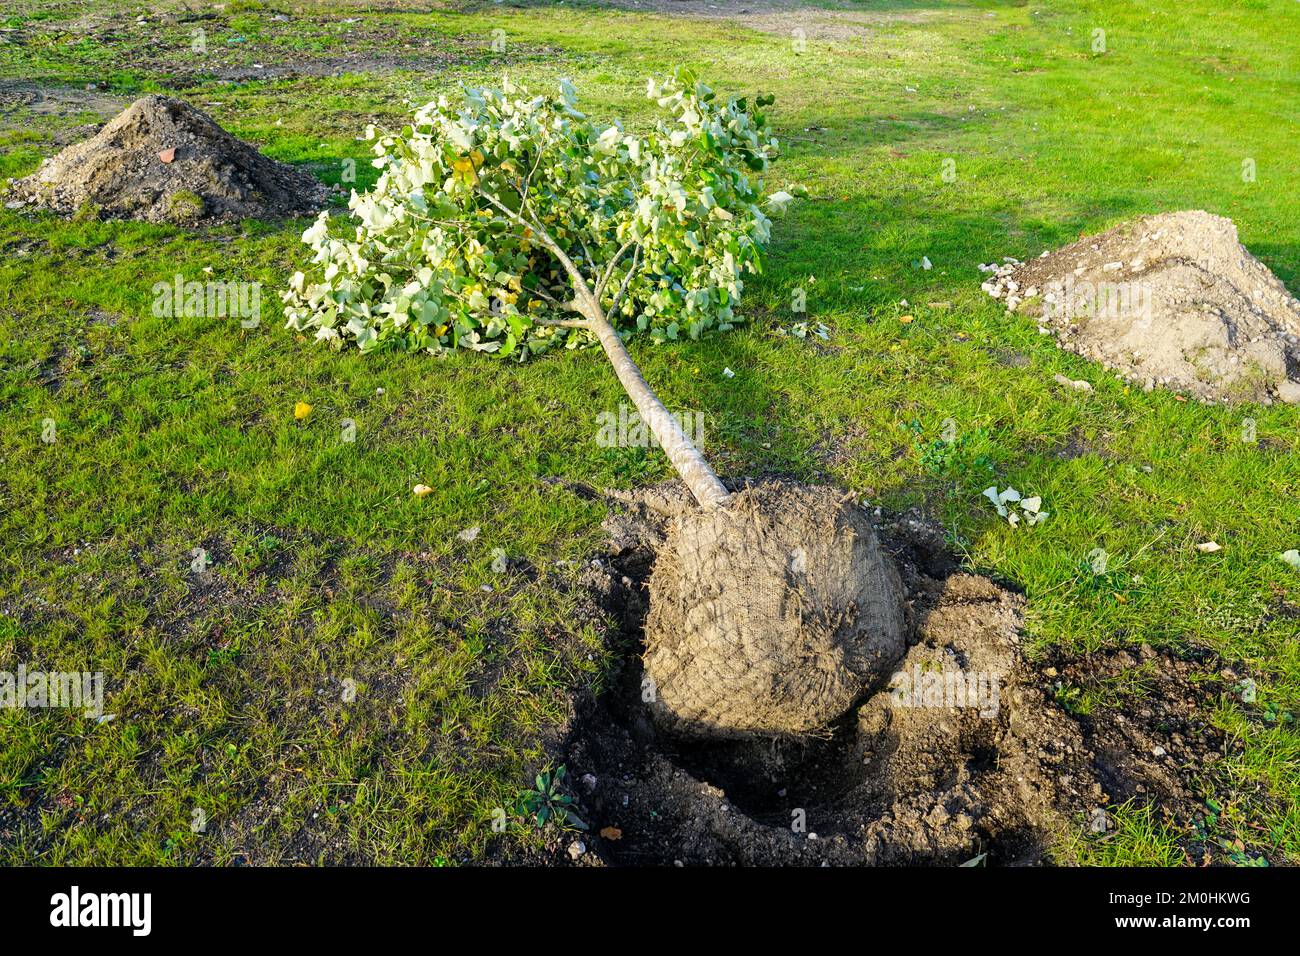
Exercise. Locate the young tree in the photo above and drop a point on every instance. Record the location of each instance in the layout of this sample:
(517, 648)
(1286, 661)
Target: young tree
(510, 223)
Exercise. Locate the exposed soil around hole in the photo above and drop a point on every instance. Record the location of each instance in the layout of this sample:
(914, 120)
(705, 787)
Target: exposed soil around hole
(904, 777)
(162, 160)
(1164, 732)
(1173, 300)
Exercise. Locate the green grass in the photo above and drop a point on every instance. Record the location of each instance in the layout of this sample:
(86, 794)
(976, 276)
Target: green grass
(228, 685)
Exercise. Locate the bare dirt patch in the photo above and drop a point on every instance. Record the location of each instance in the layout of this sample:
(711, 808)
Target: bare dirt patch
(64, 114)
(1171, 301)
(162, 160)
(1166, 731)
(912, 774)
(796, 19)
(57, 100)
(181, 48)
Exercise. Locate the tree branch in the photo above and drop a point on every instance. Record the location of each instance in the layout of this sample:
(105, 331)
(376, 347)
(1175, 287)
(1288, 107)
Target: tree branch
(528, 183)
(565, 323)
(547, 296)
(579, 283)
(686, 458)
(622, 289)
(591, 260)
(609, 269)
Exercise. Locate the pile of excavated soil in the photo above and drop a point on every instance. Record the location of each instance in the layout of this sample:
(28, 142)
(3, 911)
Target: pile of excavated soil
(769, 615)
(1172, 300)
(914, 772)
(161, 160)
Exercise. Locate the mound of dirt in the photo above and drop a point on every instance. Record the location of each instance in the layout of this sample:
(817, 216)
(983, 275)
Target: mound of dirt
(162, 160)
(769, 615)
(961, 754)
(1172, 300)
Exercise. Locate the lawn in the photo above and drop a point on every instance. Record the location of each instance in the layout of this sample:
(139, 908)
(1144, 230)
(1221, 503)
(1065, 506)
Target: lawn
(307, 663)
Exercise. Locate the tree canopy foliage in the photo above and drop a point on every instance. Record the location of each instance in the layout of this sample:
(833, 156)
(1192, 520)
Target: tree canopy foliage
(458, 243)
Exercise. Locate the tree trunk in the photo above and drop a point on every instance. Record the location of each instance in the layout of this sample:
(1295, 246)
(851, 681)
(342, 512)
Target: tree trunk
(681, 451)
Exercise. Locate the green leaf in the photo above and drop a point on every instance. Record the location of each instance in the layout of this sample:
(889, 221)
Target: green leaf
(573, 819)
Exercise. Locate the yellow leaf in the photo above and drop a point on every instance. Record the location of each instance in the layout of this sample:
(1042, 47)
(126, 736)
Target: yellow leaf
(905, 319)
(612, 833)
(422, 490)
(467, 166)
(301, 410)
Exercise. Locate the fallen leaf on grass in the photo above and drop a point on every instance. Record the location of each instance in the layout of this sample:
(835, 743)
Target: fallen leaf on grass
(301, 410)
(1209, 547)
(421, 490)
